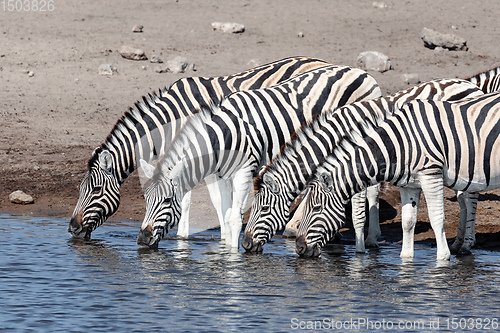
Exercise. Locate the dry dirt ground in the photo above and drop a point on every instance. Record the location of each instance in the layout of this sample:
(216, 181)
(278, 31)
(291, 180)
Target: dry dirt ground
(53, 119)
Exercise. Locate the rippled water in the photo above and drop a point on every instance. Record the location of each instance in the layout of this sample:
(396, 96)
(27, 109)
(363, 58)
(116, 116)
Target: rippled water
(49, 282)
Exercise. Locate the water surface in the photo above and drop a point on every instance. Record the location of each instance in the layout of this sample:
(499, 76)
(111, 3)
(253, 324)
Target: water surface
(50, 282)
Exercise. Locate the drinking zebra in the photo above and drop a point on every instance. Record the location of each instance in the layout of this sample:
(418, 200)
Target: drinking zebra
(420, 148)
(275, 113)
(488, 81)
(286, 177)
(148, 127)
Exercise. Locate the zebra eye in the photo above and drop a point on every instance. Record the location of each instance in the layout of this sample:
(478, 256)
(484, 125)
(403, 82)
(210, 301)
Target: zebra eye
(266, 209)
(97, 190)
(317, 209)
(167, 200)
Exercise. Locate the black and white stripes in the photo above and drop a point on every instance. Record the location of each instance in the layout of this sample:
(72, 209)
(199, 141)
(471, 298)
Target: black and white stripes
(423, 146)
(147, 128)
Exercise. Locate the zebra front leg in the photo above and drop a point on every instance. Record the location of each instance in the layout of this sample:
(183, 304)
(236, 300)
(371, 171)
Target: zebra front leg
(372, 195)
(470, 226)
(410, 197)
(432, 186)
(220, 193)
(359, 219)
(183, 227)
(459, 240)
(242, 183)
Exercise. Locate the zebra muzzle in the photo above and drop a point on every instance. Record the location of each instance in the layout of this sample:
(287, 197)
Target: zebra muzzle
(305, 250)
(146, 239)
(249, 245)
(77, 229)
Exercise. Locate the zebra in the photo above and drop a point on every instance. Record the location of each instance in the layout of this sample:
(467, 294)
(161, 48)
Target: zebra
(488, 81)
(285, 177)
(149, 126)
(276, 113)
(420, 148)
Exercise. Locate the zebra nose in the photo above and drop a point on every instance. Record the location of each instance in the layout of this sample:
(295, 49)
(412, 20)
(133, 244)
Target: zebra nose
(249, 245)
(301, 245)
(76, 228)
(306, 250)
(146, 238)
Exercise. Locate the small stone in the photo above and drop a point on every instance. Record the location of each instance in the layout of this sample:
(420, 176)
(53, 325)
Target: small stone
(433, 39)
(155, 59)
(300, 34)
(36, 168)
(176, 66)
(131, 53)
(229, 27)
(137, 28)
(253, 63)
(31, 74)
(373, 60)
(379, 5)
(19, 197)
(411, 79)
(107, 69)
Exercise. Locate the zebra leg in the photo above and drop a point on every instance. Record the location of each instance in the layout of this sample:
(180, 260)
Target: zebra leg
(459, 240)
(220, 194)
(183, 227)
(432, 186)
(359, 219)
(372, 195)
(242, 183)
(470, 226)
(410, 197)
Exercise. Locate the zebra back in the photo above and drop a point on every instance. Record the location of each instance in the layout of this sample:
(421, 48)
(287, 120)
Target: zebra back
(488, 81)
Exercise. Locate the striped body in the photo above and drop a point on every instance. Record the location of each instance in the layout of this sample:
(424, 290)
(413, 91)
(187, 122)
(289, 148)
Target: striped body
(145, 130)
(488, 81)
(284, 179)
(276, 113)
(423, 146)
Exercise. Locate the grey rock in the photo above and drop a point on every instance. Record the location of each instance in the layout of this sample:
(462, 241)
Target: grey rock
(373, 60)
(107, 69)
(433, 39)
(137, 28)
(19, 197)
(177, 65)
(300, 34)
(229, 27)
(155, 59)
(131, 53)
(379, 5)
(411, 78)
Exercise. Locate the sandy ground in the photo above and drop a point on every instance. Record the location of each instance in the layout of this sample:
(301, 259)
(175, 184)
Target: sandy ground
(53, 119)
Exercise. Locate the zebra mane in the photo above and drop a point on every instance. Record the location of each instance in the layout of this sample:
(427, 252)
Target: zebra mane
(303, 135)
(175, 152)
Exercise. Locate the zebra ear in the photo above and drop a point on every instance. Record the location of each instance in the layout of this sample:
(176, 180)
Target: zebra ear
(147, 168)
(271, 183)
(326, 180)
(106, 161)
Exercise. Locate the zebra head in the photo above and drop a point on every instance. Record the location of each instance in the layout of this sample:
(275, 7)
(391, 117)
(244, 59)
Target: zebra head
(163, 206)
(324, 213)
(270, 211)
(99, 195)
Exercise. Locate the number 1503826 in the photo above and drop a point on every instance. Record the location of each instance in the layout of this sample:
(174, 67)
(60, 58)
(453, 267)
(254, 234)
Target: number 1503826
(28, 5)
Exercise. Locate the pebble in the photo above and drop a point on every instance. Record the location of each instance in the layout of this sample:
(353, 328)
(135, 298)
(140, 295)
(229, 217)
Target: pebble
(300, 34)
(410, 79)
(131, 53)
(137, 28)
(156, 60)
(229, 27)
(107, 69)
(433, 39)
(19, 197)
(380, 5)
(31, 74)
(373, 60)
(176, 66)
